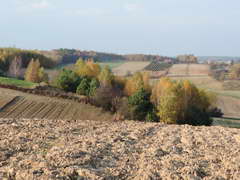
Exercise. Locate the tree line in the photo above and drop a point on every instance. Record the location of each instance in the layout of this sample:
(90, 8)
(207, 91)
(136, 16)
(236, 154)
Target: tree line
(8, 55)
(168, 101)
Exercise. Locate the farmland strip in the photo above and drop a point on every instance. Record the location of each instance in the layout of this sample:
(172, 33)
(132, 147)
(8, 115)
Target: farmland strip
(11, 109)
(41, 107)
(21, 109)
(51, 109)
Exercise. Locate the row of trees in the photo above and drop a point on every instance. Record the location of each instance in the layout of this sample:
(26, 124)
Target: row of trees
(134, 98)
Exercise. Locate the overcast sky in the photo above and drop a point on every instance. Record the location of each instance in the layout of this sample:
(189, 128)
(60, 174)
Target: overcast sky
(166, 27)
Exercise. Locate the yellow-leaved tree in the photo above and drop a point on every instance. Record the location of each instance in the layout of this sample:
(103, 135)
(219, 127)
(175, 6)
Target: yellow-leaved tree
(88, 68)
(106, 77)
(182, 102)
(136, 82)
(32, 72)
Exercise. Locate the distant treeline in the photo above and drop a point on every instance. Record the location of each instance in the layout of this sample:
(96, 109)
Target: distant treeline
(219, 58)
(66, 56)
(49, 59)
(7, 55)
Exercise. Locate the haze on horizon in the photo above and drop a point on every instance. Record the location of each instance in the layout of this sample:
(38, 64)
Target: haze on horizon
(166, 27)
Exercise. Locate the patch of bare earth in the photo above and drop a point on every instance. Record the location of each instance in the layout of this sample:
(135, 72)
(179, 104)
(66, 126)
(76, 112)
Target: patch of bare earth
(71, 149)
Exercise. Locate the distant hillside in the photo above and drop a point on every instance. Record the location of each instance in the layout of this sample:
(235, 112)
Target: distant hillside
(218, 58)
(8, 54)
(67, 56)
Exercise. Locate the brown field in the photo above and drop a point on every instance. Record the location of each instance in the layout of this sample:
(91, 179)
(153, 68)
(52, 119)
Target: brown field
(40, 107)
(130, 67)
(189, 70)
(42, 149)
(229, 105)
(202, 81)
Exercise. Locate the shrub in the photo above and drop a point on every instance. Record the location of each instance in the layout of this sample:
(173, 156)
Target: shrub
(196, 117)
(215, 112)
(68, 80)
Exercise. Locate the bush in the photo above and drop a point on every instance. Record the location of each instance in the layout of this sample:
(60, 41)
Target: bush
(215, 112)
(196, 117)
(68, 80)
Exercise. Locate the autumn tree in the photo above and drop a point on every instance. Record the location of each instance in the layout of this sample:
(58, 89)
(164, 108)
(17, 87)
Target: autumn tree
(106, 77)
(43, 76)
(180, 101)
(32, 72)
(15, 67)
(35, 73)
(88, 68)
(136, 82)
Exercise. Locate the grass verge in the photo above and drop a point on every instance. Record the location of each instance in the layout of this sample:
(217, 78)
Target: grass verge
(16, 82)
(227, 122)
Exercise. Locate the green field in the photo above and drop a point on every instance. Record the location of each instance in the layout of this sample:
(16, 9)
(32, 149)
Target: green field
(16, 82)
(227, 122)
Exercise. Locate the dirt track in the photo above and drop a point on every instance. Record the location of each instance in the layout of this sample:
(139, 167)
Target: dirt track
(44, 149)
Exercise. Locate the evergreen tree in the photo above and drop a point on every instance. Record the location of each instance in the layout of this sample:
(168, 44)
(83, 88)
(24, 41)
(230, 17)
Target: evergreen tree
(68, 80)
(84, 87)
(94, 84)
(140, 105)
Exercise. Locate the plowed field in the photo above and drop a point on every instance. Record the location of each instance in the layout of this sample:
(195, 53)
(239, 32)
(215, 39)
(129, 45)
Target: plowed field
(38, 149)
(15, 104)
(189, 70)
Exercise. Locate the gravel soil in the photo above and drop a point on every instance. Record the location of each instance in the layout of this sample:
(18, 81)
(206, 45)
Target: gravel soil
(76, 149)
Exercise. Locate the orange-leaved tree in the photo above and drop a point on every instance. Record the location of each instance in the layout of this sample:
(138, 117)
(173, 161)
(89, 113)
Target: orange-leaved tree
(136, 82)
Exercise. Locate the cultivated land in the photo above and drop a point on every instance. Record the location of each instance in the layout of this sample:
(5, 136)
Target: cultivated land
(189, 70)
(77, 149)
(15, 104)
(130, 67)
(49, 138)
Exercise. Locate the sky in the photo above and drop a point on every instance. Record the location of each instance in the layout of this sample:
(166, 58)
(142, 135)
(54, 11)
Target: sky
(164, 27)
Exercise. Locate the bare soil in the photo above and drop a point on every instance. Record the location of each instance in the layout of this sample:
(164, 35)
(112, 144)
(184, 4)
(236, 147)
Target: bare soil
(60, 149)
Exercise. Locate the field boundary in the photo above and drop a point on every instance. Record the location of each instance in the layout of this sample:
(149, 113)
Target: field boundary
(44, 91)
